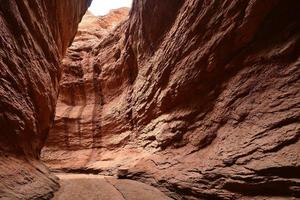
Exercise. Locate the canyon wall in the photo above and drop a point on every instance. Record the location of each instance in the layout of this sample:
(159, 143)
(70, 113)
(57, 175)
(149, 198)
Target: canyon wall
(34, 36)
(198, 98)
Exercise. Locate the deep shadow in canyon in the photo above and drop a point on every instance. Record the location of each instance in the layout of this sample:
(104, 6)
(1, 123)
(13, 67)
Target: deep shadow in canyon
(200, 99)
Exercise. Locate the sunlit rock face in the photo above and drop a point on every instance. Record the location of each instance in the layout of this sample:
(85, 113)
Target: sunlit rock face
(79, 102)
(34, 37)
(199, 98)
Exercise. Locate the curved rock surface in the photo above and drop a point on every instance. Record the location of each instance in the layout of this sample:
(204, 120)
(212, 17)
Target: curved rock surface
(34, 35)
(199, 98)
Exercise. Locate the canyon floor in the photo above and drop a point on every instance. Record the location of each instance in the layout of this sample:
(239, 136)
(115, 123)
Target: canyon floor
(86, 186)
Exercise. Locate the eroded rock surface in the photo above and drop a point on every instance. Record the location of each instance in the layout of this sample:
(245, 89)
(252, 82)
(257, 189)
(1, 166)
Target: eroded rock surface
(34, 35)
(80, 94)
(199, 98)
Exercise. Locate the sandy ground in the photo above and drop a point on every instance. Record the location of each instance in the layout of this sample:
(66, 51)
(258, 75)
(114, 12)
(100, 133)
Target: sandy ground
(96, 187)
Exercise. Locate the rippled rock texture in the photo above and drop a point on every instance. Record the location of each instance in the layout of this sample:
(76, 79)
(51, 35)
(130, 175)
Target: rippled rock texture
(199, 98)
(34, 35)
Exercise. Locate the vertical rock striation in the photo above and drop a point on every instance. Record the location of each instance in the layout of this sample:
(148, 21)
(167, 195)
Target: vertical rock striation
(34, 36)
(78, 111)
(199, 98)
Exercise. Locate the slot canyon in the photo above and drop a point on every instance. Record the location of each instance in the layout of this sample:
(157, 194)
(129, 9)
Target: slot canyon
(168, 99)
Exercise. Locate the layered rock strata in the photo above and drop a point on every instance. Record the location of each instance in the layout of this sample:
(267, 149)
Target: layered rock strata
(79, 103)
(34, 35)
(198, 98)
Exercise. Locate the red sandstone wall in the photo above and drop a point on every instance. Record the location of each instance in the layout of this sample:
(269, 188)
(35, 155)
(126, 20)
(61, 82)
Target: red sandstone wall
(199, 98)
(34, 35)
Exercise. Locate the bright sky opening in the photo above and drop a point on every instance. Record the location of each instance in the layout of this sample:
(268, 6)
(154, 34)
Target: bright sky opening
(102, 7)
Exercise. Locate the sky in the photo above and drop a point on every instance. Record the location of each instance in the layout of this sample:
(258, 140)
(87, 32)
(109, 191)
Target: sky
(102, 7)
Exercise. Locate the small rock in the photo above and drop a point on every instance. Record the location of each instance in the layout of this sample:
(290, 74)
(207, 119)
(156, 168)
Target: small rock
(122, 173)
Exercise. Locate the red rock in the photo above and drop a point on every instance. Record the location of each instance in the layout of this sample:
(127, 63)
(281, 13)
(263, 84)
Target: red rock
(198, 98)
(34, 37)
(79, 97)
